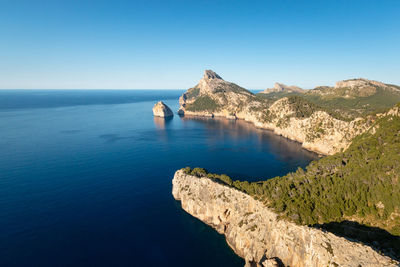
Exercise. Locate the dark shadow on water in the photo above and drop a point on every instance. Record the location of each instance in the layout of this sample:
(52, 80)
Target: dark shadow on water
(196, 228)
(378, 239)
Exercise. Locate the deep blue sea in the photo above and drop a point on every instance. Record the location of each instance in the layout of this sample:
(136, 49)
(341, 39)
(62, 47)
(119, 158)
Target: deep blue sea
(85, 178)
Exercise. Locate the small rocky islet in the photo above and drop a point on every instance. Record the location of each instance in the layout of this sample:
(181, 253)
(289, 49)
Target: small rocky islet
(160, 109)
(355, 124)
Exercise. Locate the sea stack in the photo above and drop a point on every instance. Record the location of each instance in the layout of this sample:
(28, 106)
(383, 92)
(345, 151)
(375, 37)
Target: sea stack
(162, 110)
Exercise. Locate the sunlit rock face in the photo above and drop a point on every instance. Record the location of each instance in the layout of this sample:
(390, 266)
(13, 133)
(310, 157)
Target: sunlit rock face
(162, 110)
(256, 234)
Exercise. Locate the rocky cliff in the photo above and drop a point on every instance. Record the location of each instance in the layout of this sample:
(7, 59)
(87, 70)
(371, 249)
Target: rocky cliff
(257, 234)
(290, 117)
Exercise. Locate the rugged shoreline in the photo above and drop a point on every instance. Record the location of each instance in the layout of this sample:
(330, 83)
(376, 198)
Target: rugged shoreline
(256, 233)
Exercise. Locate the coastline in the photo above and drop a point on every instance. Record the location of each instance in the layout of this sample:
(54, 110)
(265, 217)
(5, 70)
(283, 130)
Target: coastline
(258, 235)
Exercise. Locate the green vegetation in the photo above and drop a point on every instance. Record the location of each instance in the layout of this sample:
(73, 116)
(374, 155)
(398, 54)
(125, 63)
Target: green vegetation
(203, 103)
(200, 172)
(231, 87)
(273, 96)
(304, 108)
(192, 92)
(360, 184)
(356, 106)
(335, 104)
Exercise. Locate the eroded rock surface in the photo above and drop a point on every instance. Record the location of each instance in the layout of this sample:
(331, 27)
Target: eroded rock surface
(256, 234)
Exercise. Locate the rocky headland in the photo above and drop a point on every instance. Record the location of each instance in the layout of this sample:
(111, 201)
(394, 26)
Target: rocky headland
(257, 234)
(317, 129)
(284, 220)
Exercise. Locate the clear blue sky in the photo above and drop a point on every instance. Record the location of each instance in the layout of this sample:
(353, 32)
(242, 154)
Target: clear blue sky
(168, 44)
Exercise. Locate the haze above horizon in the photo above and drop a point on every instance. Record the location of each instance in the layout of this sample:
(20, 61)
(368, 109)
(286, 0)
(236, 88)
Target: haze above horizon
(168, 44)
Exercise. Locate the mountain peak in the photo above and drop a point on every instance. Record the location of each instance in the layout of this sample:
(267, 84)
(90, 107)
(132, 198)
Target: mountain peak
(209, 74)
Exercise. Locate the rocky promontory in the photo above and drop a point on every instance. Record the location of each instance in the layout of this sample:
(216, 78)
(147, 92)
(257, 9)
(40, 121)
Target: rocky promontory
(316, 129)
(162, 110)
(256, 233)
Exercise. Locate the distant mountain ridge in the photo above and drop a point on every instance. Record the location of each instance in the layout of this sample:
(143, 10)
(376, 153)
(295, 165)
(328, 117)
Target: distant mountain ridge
(353, 88)
(280, 87)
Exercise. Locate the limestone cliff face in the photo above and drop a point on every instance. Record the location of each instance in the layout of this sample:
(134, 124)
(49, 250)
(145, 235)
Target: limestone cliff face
(318, 132)
(162, 110)
(255, 233)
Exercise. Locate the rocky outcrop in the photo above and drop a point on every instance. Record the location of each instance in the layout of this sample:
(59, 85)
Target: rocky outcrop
(256, 233)
(213, 96)
(317, 131)
(162, 110)
(280, 87)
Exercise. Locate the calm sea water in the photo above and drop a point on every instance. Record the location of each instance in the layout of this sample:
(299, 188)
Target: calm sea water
(85, 178)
